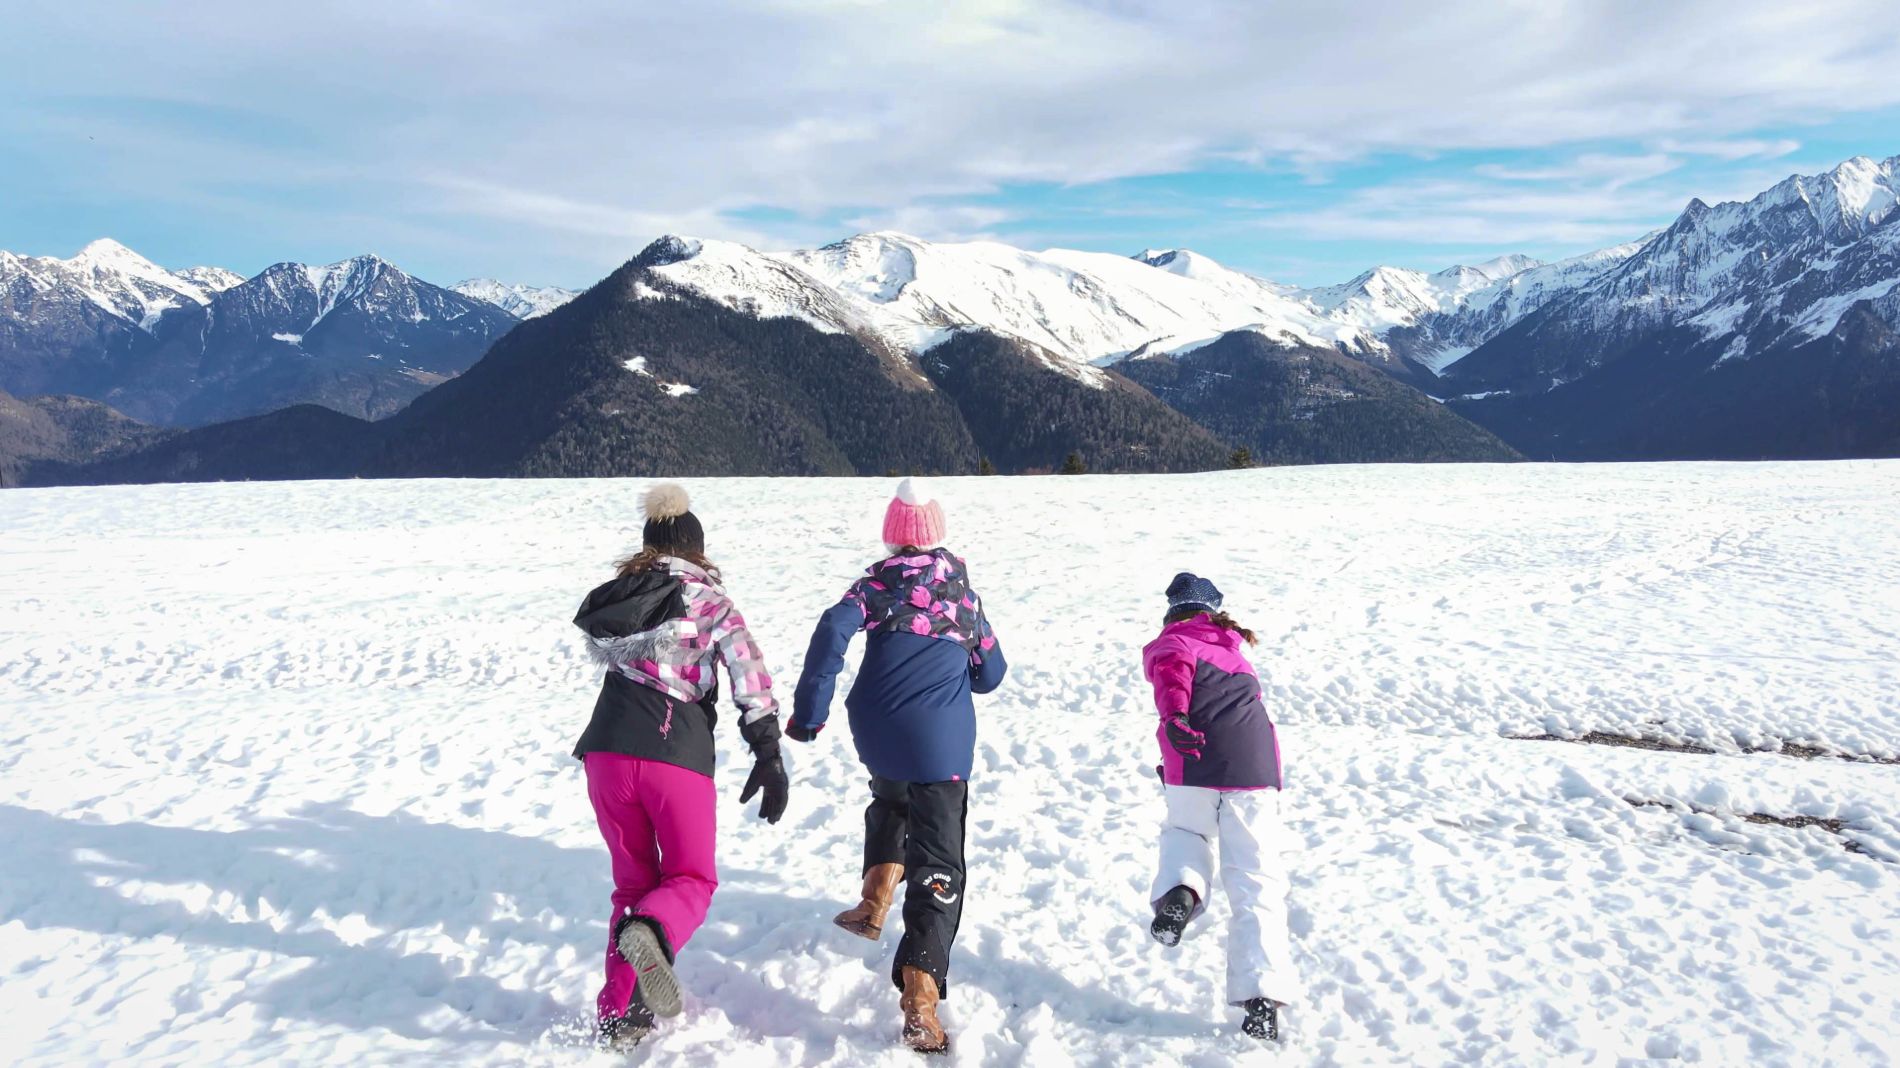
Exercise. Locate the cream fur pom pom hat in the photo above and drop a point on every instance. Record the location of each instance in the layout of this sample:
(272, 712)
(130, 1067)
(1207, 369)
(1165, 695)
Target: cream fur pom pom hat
(671, 526)
(913, 517)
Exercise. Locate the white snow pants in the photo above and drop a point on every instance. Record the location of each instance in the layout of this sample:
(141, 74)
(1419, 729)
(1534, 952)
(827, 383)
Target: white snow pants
(1247, 824)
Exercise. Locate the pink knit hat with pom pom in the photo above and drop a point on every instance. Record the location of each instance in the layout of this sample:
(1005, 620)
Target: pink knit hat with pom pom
(914, 517)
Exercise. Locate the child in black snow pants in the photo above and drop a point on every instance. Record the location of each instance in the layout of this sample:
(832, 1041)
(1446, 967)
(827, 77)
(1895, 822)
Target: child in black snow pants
(930, 647)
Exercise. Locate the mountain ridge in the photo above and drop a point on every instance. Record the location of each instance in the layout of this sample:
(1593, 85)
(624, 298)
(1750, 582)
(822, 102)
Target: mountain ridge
(1810, 265)
(202, 344)
(1778, 312)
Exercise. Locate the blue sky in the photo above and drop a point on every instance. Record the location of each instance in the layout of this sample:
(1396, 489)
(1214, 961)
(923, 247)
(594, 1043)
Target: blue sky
(1290, 140)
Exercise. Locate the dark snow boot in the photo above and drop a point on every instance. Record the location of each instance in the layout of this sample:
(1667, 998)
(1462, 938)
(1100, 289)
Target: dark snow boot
(620, 1034)
(1263, 1020)
(642, 945)
(1171, 915)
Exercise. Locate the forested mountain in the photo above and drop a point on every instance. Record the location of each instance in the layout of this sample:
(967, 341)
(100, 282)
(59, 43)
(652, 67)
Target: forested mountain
(45, 436)
(1301, 405)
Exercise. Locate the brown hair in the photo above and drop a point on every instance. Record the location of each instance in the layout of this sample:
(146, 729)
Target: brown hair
(1219, 619)
(648, 558)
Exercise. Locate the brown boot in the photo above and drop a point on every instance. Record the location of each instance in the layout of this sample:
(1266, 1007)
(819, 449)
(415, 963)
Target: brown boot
(880, 886)
(922, 1032)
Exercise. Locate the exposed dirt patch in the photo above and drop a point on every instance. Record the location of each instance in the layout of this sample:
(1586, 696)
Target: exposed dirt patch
(1809, 752)
(1664, 745)
(1835, 827)
(1623, 740)
(1795, 821)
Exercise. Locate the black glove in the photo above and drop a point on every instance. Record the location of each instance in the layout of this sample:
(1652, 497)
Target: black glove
(802, 734)
(1185, 739)
(768, 769)
(768, 774)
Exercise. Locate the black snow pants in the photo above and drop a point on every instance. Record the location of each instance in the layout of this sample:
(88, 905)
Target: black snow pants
(920, 825)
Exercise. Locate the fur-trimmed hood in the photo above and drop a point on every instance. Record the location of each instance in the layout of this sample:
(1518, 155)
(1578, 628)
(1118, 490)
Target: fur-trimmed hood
(633, 618)
(616, 652)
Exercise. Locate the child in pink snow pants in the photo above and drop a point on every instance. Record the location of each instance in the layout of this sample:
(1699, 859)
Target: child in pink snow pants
(658, 627)
(1220, 769)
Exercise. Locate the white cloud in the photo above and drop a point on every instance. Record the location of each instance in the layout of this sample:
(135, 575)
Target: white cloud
(594, 124)
(1612, 171)
(1515, 209)
(1590, 201)
(938, 222)
(1733, 148)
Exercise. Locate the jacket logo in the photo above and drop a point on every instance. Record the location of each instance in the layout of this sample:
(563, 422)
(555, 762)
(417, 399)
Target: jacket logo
(939, 883)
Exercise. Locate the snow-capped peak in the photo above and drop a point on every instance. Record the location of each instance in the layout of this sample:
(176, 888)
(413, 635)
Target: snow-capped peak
(111, 276)
(1181, 261)
(107, 253)
(366, 282)
(1863, 191)
(670, 248)
(1493, 270)
(211, 279)
(522, 302)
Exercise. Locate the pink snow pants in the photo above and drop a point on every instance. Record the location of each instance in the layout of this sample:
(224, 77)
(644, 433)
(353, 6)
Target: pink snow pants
(658, 820)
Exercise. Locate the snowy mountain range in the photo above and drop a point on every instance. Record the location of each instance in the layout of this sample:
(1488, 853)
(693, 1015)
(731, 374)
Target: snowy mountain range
(1091, 309)
(1080, 308)
(1769, 327)
(1677, 343)
(201, 344)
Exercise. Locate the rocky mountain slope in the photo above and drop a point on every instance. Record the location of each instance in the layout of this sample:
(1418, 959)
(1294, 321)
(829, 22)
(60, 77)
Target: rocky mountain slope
(1757, 328)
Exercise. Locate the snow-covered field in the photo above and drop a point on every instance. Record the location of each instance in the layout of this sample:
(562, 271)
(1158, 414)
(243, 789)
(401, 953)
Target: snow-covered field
(284, 773)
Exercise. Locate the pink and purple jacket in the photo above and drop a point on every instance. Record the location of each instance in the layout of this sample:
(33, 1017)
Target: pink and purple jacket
(1202, 682)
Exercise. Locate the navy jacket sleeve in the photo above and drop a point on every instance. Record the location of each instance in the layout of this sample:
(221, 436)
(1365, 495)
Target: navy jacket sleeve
(811, 700)
(987, 666)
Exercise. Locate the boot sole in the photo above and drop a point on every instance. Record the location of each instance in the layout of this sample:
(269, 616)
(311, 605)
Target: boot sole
(862, 930)
(1169, 924)
(626, 1041)
(658, 986)
(1263, 1028)
(929, 1051)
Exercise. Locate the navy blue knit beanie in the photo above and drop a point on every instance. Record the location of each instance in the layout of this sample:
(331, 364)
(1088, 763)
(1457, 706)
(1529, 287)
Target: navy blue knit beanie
(1191, 590)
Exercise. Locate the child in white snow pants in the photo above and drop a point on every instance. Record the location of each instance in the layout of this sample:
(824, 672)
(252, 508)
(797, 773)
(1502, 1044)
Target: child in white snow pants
(1246, 824)
(1220, 766)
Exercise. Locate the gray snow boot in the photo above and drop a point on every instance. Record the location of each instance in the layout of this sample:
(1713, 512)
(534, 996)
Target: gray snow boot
(642, 945)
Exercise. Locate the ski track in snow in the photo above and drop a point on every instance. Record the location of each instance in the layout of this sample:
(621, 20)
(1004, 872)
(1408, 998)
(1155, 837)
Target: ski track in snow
(284, 772)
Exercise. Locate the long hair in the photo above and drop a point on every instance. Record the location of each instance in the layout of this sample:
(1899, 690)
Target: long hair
(1219, 619)
(649, 558)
